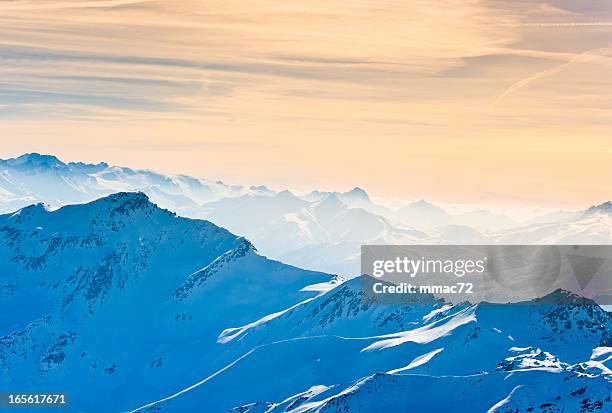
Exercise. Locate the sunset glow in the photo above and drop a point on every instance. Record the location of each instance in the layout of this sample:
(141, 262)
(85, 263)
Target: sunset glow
(503, 102)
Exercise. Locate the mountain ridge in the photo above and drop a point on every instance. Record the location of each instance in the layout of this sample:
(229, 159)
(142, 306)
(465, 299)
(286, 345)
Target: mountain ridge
(118, 296)
(287, 226)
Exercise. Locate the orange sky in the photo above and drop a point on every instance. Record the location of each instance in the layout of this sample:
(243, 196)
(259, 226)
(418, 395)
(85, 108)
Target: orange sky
(504, 102)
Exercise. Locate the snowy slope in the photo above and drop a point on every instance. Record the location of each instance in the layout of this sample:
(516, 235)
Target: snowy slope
(520, 392)
(337, 353)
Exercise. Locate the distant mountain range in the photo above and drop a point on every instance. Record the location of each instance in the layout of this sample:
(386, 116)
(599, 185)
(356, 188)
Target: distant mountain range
(44, 178)
(128, 307)
(321, 230)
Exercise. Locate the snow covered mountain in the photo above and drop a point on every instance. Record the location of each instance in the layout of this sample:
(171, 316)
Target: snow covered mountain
(601, 209)
(424, 215)
(119, 291)
(283, 225)
(168, 314)
(332, 232)
(320, 231)
(338, 353)
(553, 352)
(592, 227)
(44, 178)
(325, 234)
(250, 214)
(355, 198)
(35, 177)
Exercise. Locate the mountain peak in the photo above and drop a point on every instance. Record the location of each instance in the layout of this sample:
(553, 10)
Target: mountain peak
(286, 194)
(561, 296)
(126, 202)
(39, 157)
(423, 204)
(28, 213)
(424, 215)
(357, 193)
(124, 195)
(33, 209)
(35, 160)
(259, 188)
(605, 208)
(331, 200)
(129, 196)
(88, 167)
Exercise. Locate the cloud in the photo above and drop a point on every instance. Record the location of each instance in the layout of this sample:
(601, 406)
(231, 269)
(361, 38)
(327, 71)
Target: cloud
(372, 80)
(55, 5)
(191, 53)
(568, 24)
(584, 57)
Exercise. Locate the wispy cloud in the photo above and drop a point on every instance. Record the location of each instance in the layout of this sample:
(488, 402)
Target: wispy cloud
(8, 5)
(568, 24)
(584, 57)
(373, 80)
(247, 49)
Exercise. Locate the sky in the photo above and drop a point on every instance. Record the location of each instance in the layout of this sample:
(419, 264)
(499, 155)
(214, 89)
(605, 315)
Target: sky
(505, 102)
